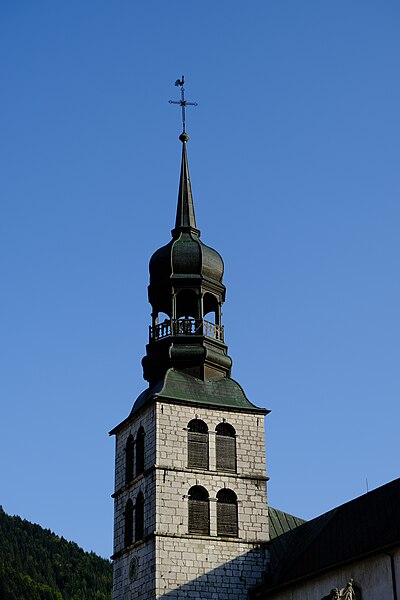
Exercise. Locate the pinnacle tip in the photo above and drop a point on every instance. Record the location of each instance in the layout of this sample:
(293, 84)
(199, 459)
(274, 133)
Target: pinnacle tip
(184, 137)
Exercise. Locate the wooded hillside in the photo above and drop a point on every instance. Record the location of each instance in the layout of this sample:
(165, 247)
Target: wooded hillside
(36, 564)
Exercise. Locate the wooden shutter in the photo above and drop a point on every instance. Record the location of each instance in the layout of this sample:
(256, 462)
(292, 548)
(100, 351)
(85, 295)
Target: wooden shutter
(128, 523)
(197, 450)
(226, 453)
(140, 452)
(199, 517)
(129, 460)
(139, 517)
(227, 524)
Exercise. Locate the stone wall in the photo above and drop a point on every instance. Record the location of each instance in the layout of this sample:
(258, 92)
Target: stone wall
(174, 478)
(209, 567)
(206, 569)
(143, 553)
(169, 562)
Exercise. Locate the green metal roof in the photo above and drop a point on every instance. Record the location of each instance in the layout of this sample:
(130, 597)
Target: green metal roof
(180, 387)
(177, 385)
(281, 522)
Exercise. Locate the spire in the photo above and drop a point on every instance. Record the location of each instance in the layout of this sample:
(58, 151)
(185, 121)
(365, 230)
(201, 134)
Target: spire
(185, 217)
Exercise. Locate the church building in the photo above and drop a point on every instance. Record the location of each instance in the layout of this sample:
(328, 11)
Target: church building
(191, 518)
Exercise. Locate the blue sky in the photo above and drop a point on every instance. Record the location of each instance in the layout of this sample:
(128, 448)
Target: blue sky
(294, 158)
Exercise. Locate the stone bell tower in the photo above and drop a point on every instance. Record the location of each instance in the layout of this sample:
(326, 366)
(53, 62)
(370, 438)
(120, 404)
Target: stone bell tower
(190, 485)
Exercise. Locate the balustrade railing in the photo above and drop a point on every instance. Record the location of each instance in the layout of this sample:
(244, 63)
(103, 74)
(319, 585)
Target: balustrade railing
(186, 327)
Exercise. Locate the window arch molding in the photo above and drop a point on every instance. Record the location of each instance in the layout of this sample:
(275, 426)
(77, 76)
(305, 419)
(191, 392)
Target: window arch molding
(225, 447)
(197, 444)
(198, 511)
(227, 513)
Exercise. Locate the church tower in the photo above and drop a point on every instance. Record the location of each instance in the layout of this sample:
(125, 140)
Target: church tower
(190, 508)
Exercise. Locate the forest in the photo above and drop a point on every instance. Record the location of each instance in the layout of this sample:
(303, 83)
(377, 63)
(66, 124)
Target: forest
(36, 564)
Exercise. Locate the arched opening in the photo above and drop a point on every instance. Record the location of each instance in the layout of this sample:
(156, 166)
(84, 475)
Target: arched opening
(187, 304)
(139, 517)
(128, 533)
(197, 445)
(211, 309)
(227, 514)
(129, 459)
(140, 451)
(225, 441)
(199, 511)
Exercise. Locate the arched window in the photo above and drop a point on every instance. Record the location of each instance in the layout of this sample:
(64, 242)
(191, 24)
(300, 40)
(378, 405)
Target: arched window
(225, 447)
(199, 511)
(139, 517)
(129, 459)
(227, 515)
(140, 451)
(197, 444)
(128, 534)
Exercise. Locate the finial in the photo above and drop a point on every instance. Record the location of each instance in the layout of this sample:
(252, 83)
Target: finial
(183, 104)
(184, 137)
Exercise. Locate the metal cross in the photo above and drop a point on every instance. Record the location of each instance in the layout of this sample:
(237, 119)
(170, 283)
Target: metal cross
(182, 102)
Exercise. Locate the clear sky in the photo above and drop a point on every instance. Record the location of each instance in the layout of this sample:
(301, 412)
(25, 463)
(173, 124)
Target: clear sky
(294, 158)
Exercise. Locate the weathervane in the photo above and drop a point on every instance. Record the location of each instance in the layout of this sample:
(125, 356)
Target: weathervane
(182, 102)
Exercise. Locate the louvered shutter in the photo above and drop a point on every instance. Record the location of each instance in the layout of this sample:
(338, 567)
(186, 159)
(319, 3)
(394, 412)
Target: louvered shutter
(140, 452)
(226, 453)
(129, 460)
(199, 517)
(128, 523)
(139, 517)
(197, 450)
(227, 519)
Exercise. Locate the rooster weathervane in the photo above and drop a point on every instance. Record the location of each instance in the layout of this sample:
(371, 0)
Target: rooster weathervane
(182, 102)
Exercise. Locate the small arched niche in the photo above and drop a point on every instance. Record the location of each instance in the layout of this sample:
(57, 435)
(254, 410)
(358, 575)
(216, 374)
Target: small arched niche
(139, 517)
(140, 451)
(128, 518)
(129, 459)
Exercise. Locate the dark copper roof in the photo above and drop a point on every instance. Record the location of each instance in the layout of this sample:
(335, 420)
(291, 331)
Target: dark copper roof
(185, 217)
(185, 254)
(177, 386)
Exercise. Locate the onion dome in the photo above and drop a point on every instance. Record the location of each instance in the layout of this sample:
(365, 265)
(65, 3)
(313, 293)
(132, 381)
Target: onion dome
(185, 254)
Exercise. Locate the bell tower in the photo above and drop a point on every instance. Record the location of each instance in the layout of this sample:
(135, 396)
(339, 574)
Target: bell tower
(186, 286)
(190, 507)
